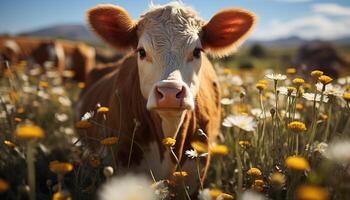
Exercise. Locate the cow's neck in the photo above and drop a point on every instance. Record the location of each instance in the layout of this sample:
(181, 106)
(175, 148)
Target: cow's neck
(171, 122)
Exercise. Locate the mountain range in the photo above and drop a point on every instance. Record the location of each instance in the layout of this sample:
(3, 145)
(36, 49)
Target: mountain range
(81, 32)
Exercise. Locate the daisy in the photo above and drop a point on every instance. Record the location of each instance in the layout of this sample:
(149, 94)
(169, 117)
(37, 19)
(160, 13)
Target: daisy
(285, 91)
(276, 77)
(339, 152)
(191, 153)
(311, 97)
(226, 101)
(127, 187)
(250, 195)
(235, 80)
(344, 80)
(258, 113)
(246, 123)
(87, 116)
(334, 90)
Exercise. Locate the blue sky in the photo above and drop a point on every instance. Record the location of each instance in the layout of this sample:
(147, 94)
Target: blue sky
(277, 18)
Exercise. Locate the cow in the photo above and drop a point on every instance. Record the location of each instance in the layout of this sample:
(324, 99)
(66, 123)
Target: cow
(65, 55)
(79, 58)
(323, 56)
(36, 51)
(164, 87)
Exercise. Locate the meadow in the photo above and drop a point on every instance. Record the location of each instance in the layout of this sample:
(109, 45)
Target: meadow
(285, 135)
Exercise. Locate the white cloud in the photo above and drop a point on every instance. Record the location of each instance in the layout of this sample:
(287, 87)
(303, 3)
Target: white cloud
(331, 9)
(315, 26)
(320, 24)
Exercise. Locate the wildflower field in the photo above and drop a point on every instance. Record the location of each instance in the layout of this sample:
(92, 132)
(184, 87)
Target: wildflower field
(284, 135)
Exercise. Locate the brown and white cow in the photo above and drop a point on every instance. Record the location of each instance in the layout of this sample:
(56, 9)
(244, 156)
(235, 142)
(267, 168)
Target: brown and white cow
(35, 50)
(79, 58)
(166, 83)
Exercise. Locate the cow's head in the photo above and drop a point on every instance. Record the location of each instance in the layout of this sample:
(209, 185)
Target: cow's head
(170, 41)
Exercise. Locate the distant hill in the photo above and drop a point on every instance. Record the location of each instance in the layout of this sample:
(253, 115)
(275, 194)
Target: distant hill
(294, 41)
(81, 32)
(71, 32)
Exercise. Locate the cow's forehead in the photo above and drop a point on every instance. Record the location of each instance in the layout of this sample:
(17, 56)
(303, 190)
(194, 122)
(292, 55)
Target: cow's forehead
(172, 25)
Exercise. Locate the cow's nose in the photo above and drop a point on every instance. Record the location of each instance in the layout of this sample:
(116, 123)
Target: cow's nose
(170, 95)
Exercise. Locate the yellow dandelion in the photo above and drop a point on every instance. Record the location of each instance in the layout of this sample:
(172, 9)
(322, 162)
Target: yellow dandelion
(290, 90)
(17, 119)
(298, 81)
(346, 96)
(169, 142)
(297, 163)
(9, 143)
(254, 172)
(228, 71)
(244, 143)
(43, 84)
(297, 126)
(102, 109)
(299, 106)
(260, 86)
(219, 150)
(324, 79)
(61, 196)
(20, 110)
(277, 179)
(109, 141)
(29, 132)
(259, 182)
(180, 174)
(4, 186)
(310, 192)
(316, 73)
(83, 124)
(60, 167)
(199, 146)
(324, 117)
(291, 70)
(215, 193)
(81, 85)
(263, 81)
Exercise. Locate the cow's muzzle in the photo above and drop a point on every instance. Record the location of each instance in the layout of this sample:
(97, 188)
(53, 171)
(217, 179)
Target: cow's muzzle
(170, 95)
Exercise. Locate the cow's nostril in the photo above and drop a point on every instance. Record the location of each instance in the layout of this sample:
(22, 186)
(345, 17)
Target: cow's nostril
(181, 93)
(159, 93)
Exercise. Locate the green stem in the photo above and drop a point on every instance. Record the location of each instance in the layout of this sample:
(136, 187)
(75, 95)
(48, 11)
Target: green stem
(31, 169)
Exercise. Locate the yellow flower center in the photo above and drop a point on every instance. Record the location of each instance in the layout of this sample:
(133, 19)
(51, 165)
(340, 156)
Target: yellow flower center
(60, 167)
(297, 126)
(109, 141)
(219, 150)
(29, 132)
(325, 79)
(298, 81)
(297, 163)
(169, 141)
(291, 71)
(316, 73)
(254, 172)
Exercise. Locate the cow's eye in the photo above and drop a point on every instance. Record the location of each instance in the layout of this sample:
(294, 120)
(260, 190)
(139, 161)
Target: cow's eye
(142, 53)
(197, 52)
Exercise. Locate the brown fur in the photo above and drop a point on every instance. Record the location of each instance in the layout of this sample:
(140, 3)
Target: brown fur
(33, 48)
(124, 80)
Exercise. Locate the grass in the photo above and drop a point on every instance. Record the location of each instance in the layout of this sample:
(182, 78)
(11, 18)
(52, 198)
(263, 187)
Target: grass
(275, 141)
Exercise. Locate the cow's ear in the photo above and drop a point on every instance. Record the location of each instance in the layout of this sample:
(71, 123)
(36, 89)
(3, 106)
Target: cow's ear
(226, 31)
(114, 25)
